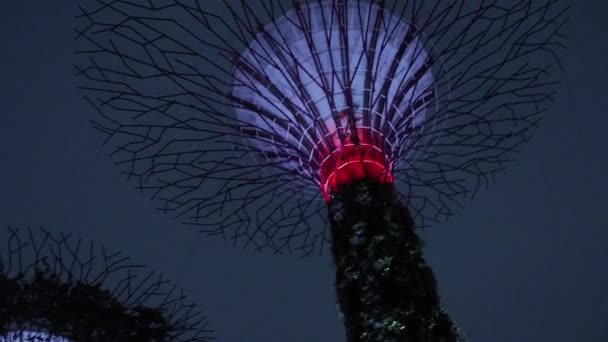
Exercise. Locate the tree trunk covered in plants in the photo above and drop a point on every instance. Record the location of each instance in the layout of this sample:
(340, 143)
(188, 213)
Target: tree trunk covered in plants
(385, 289)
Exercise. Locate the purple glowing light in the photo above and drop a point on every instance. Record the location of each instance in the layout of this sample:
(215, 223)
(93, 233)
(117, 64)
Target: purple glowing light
(321, 80)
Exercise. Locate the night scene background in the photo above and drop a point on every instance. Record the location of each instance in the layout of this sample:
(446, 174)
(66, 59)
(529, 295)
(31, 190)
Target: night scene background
(525, 261)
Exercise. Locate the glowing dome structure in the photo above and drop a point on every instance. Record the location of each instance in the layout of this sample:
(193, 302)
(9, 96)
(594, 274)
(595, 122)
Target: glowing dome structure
(55, 288)
(339, 98)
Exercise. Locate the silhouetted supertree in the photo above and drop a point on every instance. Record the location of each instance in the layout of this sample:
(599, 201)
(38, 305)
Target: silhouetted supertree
(57, 288)
(242, 116)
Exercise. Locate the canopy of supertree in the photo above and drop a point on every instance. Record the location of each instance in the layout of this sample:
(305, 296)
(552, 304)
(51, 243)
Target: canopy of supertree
(335, 99)
(242, 118)
(56, 288)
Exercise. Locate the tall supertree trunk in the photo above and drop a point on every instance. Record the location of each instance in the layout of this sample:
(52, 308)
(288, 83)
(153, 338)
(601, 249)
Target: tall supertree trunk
(385, 288)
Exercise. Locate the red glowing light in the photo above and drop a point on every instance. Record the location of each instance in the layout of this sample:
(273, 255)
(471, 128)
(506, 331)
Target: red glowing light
(354, 159)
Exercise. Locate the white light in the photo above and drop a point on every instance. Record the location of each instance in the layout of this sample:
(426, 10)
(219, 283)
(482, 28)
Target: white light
(294, 73)
(31, 336)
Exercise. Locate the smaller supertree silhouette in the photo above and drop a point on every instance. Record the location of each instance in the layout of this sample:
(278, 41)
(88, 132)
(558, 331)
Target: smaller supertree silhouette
(57, 288)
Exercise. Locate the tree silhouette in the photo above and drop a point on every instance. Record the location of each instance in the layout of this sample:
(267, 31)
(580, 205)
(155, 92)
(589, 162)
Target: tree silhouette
(53, 285)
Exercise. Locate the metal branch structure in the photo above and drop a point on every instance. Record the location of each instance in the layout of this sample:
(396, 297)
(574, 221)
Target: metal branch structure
(56, 288)
(233, 115)
(290, 126)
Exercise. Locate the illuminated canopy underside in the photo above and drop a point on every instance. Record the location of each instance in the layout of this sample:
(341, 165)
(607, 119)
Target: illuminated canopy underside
(448, 93)
(333, 90)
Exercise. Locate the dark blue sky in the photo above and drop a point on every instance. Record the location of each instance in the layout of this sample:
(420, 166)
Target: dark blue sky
(525, 261)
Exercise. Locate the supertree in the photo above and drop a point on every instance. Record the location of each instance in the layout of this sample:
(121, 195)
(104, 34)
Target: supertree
(56, 288)
(248, 119)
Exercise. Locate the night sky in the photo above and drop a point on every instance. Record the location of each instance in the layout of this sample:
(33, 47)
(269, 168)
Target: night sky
(525, 261)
